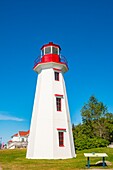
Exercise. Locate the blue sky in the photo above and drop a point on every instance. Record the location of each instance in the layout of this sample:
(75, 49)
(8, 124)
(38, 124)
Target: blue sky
(83, 29)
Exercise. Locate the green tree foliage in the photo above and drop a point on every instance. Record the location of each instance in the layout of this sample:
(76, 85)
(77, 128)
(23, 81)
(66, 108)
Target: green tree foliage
(97, 127)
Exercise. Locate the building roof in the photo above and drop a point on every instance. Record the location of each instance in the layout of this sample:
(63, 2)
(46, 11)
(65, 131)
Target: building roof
(15, 134)
(50, 44)
(22, 133)
(9, 141)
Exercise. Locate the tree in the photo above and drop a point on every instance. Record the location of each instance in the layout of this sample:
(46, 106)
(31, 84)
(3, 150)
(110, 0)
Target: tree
(96, 129)
(93, 114)
(109, 126)
(93, 110)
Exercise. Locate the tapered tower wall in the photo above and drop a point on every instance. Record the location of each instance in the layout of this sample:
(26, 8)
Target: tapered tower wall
(41, 132)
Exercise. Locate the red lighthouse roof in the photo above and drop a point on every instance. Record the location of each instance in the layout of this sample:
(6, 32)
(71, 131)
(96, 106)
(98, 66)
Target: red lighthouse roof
(50, 44)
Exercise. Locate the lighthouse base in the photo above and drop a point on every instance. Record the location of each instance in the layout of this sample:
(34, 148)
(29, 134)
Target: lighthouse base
(50, 158)
(47, 146)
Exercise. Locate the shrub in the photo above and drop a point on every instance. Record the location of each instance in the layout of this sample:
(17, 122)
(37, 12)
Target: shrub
(87, 143)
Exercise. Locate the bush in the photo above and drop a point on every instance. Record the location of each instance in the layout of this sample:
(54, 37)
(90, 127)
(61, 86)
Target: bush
(87, 143)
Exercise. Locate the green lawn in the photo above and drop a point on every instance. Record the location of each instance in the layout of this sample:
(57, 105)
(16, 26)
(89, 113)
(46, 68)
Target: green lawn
(15, 160)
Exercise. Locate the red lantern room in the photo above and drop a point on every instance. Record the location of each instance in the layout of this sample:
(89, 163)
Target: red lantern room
(50, 53)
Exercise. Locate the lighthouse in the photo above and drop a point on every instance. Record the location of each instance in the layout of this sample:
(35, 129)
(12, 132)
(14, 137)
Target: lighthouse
(50, 131)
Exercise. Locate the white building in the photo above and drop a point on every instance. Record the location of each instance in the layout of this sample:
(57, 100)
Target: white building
(18, 140)
(50, 132)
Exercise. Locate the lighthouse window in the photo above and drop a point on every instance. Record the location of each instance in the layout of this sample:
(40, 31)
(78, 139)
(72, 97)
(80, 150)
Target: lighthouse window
(48, 50)
(58, 103)
(61, 138)
(56, 76)
(54, 50)
(42, 52)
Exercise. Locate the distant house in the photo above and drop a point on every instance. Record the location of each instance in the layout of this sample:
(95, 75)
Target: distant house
(18, 140)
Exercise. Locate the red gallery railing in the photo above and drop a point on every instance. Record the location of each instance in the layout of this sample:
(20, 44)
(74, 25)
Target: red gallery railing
(39, 60)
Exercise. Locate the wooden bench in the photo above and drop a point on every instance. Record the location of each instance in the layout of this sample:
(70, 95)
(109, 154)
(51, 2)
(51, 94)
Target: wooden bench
(93, 154)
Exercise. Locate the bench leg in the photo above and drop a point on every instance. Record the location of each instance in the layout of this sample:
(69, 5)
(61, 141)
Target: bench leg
(88, 162)
(103, 161)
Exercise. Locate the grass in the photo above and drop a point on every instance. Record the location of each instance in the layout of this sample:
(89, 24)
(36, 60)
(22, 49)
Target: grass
(16, 160)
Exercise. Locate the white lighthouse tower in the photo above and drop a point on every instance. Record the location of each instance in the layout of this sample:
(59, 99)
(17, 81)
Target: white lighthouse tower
(50, 132)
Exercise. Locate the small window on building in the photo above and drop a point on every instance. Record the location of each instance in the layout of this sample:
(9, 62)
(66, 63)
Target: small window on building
(58, 103)
(56, 76)
(54, 50)
(48, 50)
(61, 138)
(22, 139)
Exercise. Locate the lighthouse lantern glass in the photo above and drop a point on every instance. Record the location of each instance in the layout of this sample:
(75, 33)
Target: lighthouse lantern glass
(42, 52)
(55, 50)
(48, 50)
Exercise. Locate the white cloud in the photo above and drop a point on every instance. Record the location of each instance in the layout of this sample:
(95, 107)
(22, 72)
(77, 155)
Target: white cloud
(4, 116)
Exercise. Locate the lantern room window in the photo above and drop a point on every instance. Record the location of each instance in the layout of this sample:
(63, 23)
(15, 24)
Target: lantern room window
(55, 50)
(48, 50)
(42, 52)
